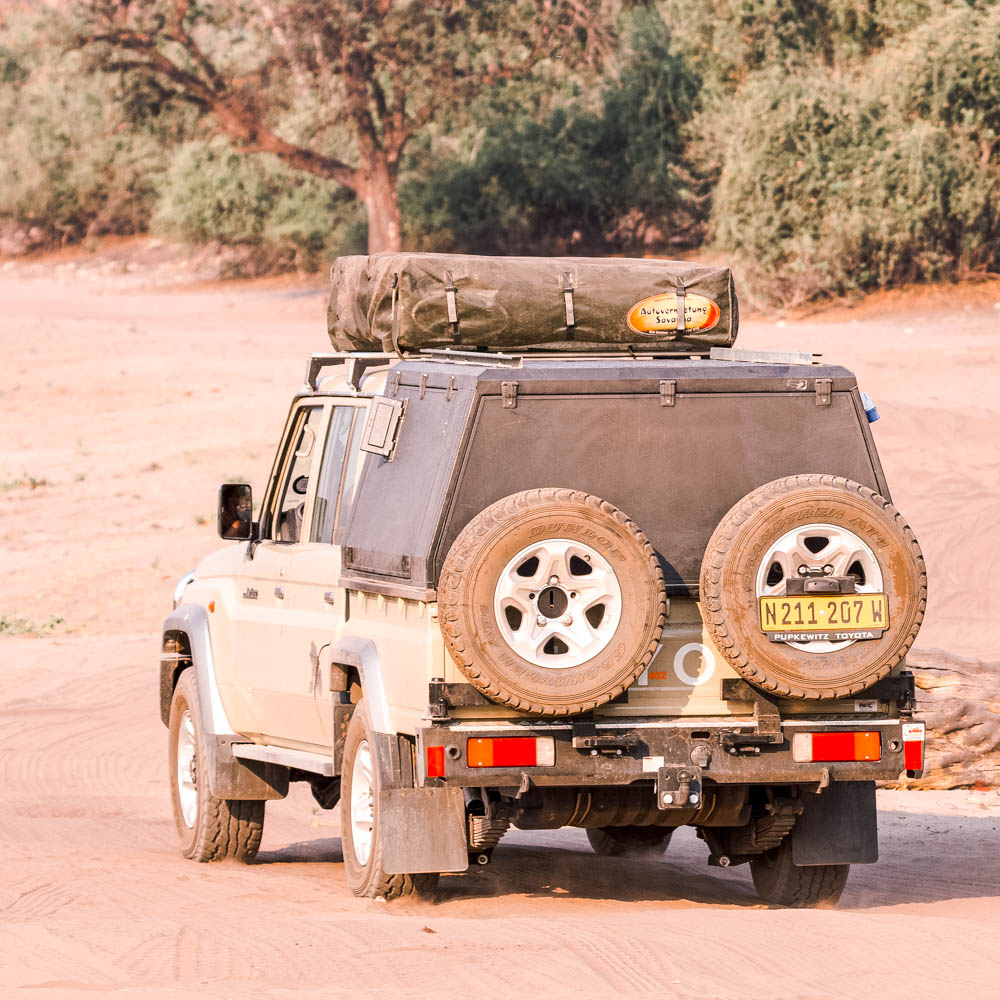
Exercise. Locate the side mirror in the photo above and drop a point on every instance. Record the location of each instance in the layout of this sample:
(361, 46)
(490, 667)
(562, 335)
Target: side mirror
(235, 511)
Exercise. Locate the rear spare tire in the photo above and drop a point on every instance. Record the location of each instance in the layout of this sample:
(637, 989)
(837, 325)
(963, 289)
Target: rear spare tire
(787, 530)
(551, 601)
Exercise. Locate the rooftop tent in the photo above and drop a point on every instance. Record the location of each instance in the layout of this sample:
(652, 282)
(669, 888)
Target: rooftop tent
(406, 302)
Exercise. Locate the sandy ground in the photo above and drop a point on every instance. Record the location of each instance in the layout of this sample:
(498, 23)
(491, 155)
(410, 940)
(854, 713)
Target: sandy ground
(121, 409)
(94, 897)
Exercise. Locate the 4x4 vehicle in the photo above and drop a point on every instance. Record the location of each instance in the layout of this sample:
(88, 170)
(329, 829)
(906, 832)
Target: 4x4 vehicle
(603, 581)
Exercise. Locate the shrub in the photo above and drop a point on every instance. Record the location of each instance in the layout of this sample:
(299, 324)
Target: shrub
(832, 183)
(81, 152)
(727, 40)
(286, 218)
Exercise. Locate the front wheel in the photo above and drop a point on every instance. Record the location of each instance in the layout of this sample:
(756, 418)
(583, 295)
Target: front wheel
(209, 829)
(361, 827)
(779, 881)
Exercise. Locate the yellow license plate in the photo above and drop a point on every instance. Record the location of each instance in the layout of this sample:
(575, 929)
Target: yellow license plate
(824, 616)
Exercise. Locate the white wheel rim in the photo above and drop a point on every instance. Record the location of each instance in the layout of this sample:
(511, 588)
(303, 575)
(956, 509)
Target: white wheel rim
(187, 775)
(362, 803)
(558, 603)
(844, 551)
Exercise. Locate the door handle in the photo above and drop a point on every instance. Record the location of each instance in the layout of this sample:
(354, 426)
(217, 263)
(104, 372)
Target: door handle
(330, 597)
(279, 591)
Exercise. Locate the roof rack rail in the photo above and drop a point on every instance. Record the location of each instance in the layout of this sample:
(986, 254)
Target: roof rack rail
(470, 357)
(357, 362)
(561, 354)
(764, 357)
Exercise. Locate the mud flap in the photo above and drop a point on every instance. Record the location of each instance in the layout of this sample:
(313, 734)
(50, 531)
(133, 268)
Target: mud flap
(229, 778)
(838, 826)
(423, 830)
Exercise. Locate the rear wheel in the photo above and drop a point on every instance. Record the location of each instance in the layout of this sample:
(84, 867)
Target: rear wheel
(628, 841)
(779, 881)
(209, 829)
(361, 827)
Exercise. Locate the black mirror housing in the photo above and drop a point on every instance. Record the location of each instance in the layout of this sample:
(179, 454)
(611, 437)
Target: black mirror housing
(235, 511)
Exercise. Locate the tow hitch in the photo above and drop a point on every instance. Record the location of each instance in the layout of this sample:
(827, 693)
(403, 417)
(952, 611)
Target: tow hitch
(678, 786)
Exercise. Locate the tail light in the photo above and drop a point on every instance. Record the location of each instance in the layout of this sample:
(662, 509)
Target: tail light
(832, 747)
(511, 751)
(913, 746)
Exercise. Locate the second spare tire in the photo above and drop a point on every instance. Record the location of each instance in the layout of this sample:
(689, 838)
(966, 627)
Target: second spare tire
(551, 601)
(813, 587)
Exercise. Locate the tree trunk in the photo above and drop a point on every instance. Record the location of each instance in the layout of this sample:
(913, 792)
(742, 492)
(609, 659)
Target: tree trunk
(381, 198)
(959, 699)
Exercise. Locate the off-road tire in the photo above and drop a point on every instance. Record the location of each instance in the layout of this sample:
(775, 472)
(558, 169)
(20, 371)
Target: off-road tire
(781, 883)
(466, 601)
(222, 828)
(370, 879)
(629, 841)
(729, 602)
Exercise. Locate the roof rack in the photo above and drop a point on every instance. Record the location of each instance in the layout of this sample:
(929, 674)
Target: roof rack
(357, 362)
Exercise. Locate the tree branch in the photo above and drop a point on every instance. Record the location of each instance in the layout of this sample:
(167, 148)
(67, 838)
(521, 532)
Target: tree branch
(240, 122)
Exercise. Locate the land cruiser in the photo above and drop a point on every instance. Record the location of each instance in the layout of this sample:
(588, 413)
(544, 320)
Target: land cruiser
(540, 547)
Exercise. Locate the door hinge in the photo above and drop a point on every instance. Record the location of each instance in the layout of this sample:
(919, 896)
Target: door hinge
(509, 391)
(668, 391)
(824, 387)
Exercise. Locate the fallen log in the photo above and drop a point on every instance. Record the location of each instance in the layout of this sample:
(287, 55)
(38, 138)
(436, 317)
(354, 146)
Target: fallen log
(959, 699)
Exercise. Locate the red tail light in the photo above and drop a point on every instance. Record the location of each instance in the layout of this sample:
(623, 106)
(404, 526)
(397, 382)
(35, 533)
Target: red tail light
(913, 746)
(832, 747)
(435, 762)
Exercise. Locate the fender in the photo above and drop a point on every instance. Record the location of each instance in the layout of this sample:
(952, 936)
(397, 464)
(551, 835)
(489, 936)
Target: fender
(228, 777)
(191, 621)
(361, 654)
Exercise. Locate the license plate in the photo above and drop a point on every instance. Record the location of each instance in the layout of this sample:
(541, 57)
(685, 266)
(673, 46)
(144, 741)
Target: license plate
(834, 617)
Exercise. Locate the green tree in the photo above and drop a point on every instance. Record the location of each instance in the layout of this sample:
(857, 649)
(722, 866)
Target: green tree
(582, 177)
(338, 88)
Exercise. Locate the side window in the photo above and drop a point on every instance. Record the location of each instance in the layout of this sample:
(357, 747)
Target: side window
(351, 475)
(286, 525)
(335, 490)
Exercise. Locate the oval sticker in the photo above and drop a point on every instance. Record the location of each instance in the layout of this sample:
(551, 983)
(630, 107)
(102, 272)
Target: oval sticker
(658, 313)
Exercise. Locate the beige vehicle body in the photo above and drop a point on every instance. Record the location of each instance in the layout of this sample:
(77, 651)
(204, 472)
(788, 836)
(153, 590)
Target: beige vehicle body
(286, 639)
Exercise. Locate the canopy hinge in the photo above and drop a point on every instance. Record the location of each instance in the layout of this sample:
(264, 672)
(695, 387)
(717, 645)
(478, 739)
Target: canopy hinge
(509, 391)
(450, 291)
(668, 391)
(824, 389)
(568, 300)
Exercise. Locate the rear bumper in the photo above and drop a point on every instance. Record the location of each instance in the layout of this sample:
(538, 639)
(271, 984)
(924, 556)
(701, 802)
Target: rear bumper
(723, 751)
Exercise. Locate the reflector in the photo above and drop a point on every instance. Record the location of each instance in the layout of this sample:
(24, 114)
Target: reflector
(435, 762)
(913, 746)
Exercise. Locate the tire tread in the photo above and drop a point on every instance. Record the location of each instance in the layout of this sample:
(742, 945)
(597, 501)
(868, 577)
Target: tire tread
(224, 828)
